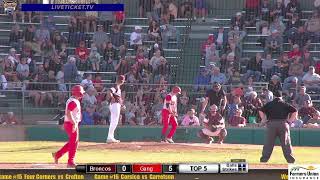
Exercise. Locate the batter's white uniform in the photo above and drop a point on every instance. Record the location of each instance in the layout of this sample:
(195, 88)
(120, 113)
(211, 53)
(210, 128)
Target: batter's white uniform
(115, 108)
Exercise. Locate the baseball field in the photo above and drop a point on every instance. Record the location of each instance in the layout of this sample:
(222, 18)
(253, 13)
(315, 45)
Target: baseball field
(37, 154)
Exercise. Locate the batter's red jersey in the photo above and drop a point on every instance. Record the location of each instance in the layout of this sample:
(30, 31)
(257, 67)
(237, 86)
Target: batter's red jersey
(74, 106)
(172, 101)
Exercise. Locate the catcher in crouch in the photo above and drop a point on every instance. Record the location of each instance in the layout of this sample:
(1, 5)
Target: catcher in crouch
(214, 125)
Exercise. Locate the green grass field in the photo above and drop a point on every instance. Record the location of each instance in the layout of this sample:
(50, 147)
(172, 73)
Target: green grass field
(148, 152)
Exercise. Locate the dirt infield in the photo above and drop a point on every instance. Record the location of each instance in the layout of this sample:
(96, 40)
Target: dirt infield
(153, 147)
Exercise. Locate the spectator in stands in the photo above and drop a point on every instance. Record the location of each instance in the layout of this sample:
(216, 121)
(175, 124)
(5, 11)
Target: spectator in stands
(252, 7)
(136, 37)
(254, 68)
(278, 25)
(94, 58)
(105, 19)
(264, 14)
(15, 84)
(237, 120)
(317, 4)
(300, 38)
(82, 55)
(91, 18)
(278, 11)
(58, 40)
(274, 42)
(301, 97)
(207, 44)
(212, 56)
(13, 57)
(122, 67)
(234, 103)
(157, 10)
(29, 38)
(200, 9)
(42, 35)
(190, 119)
(87, 82)
(184, 102)
(162, 70)
(221, 38)
(266, 95)
(215, 96)
(99, 38)
(145, 8)
(89, 98)
(55, 64)
(18, 12)
(295, 69)
(290, 88)
(3, 79)
(133, 76)
(252, 104)
(275, 85)
(15, 37)
(117, 36)
(109, 57)
(119, 17)
(317, 67)
(186, 9)
(313, 25)
(295, 52)
(70, 70)
(154, 31)
(153, 49)
(307, 113)
(293, 8)
(239, 21)
(307, 61)
(202, 80)
(61, 86)
(169, 32)
(87, 116)
(312, 80)
(23, 69)
(47, 50)
(293, 25)
(267, 66)
(236, 35)
(217, 76)
(172, 9)
(34, 89)
(10, 119)
(156, 59)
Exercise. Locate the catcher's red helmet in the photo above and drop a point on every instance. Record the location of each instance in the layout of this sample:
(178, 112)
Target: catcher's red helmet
(176, 90)
(77, 91)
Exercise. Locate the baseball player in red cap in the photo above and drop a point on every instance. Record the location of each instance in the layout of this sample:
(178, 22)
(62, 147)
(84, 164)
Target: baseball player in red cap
(71, 126)
(115, 108)
(170, 114)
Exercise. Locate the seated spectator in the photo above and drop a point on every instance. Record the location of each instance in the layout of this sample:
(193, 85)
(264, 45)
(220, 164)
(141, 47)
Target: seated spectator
(58, 40)
(200, 9)
(278, 11)
(55, 64)
(237, 120)
(82, 55)
(9, 119)
(122, 67)
(163, 69)
(313, 25)
(89, 99)
(202, 80)
(154, 31)
(15, 37)
(155, 60)
(70, 70)
(295, 69)
(234, 104)
(293, 25)
(277, 24)
(190, 119)
(317, 67)
(267, 66)
(15, 84)
(173, 10)
(214, 125)
(91, 20)
(251, 105)
(130, 115)
(218, 77)
(90, 117)
(264, 14)
(99, 38)
(301, 97)
(97, 83)
(153, 49)
(221, 38)
(13, 57)
(109, 58)
(317, 4)
(136, 37)
(290, 88)
(23, 69)
(207, 44)
(94, 58)
(133, 76)
(293, 8)
(296, 123)
(254, 68)
(47, 50)
(266, 95)
(46, 94)
(236, 34)
(239, 21)
(312, 80)
(307, 61)
(61, 86)
(42, 35)
(300, 38)
(34, 88)
(275, 85)
(274, 43)
(29, 39)
(252, 7)
(157, 10)
(212, 56)
(117, 36)
(119, 17)
(87, 82)
(169, 32)
(186, 9)
(308, 113)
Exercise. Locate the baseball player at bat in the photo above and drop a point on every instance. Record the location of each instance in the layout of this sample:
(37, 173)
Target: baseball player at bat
(115, 108)
(71, 126)
(169, 115)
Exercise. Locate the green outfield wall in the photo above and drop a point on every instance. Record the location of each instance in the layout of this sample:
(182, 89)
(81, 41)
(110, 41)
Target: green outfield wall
(299, 137)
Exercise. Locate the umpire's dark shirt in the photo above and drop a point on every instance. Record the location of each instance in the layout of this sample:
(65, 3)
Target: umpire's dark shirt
(277, 110)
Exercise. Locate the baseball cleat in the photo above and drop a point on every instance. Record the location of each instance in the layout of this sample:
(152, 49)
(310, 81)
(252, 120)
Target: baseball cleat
(169, 140)
(55, 158)
(71, 165)
(210, 140)
(112, 141)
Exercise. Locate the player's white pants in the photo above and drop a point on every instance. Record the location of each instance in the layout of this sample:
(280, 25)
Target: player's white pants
(114, 118)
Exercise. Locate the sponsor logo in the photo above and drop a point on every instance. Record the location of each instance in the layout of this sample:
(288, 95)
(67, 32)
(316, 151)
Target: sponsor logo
(304, 172)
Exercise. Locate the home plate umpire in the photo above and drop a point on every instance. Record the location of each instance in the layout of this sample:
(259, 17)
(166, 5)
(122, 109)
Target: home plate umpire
(276, 116)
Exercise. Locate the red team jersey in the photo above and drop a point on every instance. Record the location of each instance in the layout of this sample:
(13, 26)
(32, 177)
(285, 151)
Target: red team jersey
(74, 106)
(172, 100)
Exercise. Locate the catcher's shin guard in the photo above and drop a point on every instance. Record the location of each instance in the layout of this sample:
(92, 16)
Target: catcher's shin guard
(222, 135)
(206, 138)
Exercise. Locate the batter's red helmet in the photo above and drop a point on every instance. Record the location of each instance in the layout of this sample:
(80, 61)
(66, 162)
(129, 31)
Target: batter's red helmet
(176, 89)
(77, 91)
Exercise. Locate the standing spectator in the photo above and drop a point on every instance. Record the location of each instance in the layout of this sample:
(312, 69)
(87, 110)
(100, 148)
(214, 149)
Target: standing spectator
(301, 97)
(200, 9)
(267, 66)
(293, 8)
(136, 37)
(82, 54)
(94, 58)
(154, 31)
(190, 119)
(23, 69)
(99, 38)
(16, 37)
(117, 36)
(70, 70)
(254, 68)
(237, 120)
(215, 96)
(274, 42)
(275, 85)
(312, 80)
(145, 8)
(218, 77)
